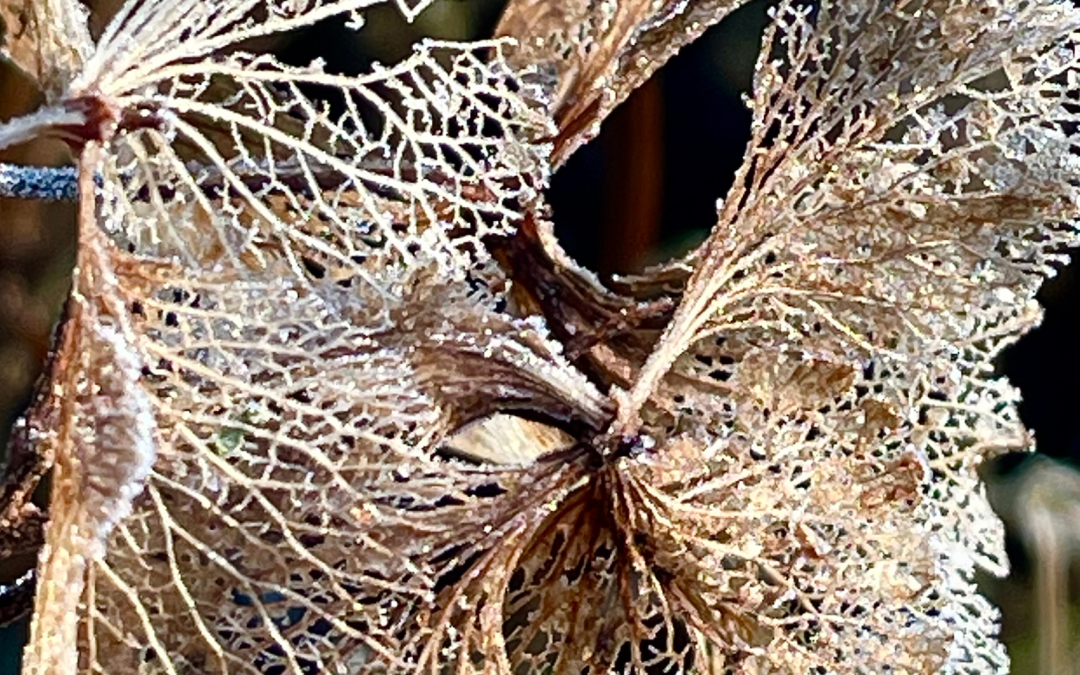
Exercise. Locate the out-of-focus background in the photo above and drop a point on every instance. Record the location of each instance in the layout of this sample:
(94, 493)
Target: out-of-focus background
(642, 192)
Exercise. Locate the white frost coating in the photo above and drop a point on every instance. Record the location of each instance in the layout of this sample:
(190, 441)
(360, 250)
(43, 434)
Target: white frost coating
(450, 162)
(312, 305)
(120, 453)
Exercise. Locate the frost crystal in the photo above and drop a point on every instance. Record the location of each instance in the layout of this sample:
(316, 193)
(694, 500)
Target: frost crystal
(329, 398)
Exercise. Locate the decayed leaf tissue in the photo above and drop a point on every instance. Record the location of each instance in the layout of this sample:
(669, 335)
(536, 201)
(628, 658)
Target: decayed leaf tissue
(329, 398)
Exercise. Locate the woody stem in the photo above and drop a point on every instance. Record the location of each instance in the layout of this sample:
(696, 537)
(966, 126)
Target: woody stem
(38, 182)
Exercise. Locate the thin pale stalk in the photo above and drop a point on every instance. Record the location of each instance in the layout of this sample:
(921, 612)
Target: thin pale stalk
(38, 123)
(1051, 583)
(686, 321)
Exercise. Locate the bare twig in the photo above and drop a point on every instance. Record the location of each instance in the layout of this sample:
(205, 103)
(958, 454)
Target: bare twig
(37, 182)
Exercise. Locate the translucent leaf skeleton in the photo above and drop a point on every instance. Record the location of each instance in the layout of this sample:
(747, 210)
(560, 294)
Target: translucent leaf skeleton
(329, 398)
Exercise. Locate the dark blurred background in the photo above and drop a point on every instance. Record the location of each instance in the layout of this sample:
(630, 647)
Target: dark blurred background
(645, 190)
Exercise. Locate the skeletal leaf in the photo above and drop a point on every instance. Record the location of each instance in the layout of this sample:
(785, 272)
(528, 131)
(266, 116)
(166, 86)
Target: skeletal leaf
(232, 288)
(47, 39)
(887, 218)
(304, 439)
(902, 199)
(591, 55)
(297, 340)
(98, 423)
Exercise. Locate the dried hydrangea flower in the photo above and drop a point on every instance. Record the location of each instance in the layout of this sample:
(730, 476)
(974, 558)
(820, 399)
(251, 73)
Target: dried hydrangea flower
(330, 398)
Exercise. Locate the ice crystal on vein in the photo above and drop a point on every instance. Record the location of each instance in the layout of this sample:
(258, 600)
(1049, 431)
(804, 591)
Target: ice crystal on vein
(395, 429)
